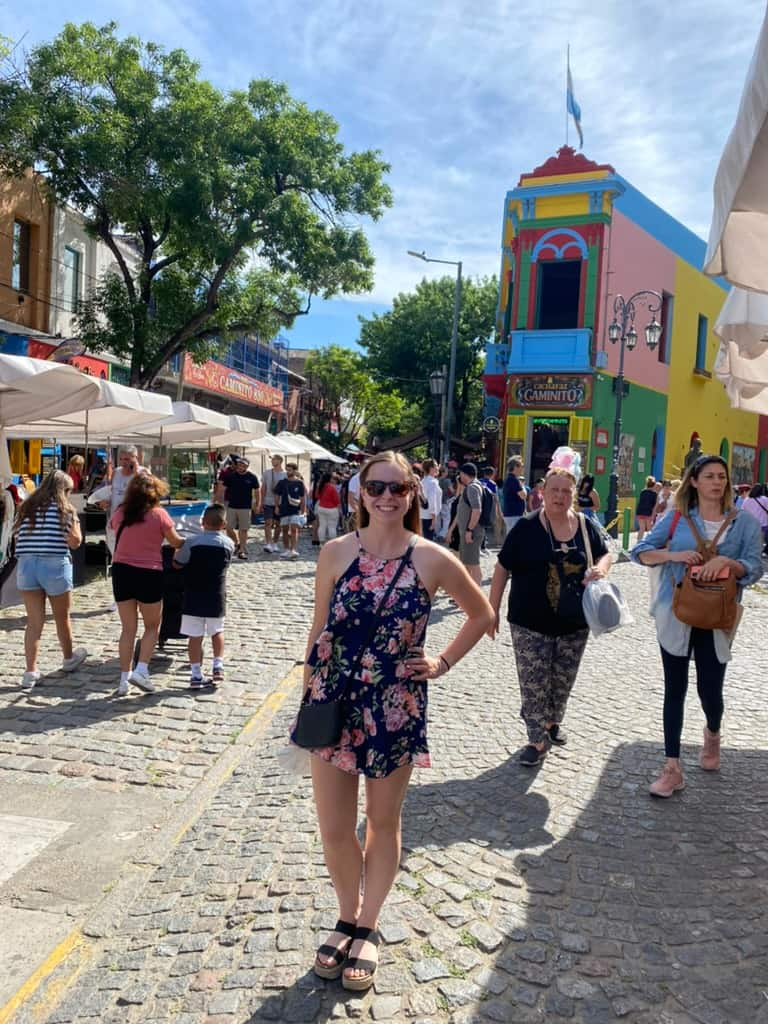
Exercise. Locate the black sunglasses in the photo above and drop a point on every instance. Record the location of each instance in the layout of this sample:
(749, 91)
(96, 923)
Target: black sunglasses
(375, 488)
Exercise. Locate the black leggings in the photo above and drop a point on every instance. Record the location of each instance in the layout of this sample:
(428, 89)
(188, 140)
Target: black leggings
(710, 674)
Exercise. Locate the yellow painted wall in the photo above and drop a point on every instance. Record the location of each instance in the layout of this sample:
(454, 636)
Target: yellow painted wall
(696, 402)
(562, 206)
(558, 179)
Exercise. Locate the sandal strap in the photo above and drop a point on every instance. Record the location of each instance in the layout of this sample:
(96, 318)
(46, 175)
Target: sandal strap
(354, 963)
(337, 955)
(368, 935)
(345, 928)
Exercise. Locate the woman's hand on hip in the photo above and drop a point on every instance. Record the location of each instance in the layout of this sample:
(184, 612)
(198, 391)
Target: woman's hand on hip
(424, 667)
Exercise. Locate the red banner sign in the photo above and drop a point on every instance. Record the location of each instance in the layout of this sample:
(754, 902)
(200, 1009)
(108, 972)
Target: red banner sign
(224, 381)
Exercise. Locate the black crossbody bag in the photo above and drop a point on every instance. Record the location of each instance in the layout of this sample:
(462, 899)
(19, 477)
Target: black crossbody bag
(321, 725)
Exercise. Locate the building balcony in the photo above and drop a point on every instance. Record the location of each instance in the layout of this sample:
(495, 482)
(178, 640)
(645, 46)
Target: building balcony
(549, 351)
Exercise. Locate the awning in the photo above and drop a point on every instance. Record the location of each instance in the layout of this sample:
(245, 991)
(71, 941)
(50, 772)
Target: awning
(241, 431)
(119, 411)
(34, 387)
(742, 361)
(275, 445)
(316, 451)
(188, 422)
(738, 237)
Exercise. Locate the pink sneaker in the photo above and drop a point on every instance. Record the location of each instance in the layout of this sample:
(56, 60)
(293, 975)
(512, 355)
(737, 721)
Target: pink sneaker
(670, 781)
(709, 758)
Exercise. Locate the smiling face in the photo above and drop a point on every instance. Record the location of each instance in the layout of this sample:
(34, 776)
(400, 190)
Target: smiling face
(558, 494)
(387, 507)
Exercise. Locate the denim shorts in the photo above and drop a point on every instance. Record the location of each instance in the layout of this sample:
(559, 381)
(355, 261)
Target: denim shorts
(51, 573)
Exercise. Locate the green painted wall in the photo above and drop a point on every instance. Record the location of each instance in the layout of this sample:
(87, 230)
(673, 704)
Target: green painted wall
(643, 411)
(523, 290)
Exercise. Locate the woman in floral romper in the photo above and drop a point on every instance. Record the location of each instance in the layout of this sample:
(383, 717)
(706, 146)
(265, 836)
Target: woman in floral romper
(385, 729)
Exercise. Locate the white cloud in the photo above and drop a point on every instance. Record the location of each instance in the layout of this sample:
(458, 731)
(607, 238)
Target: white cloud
(462, 96)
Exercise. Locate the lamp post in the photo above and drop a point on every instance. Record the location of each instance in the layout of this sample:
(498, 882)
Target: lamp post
(445, 455)
(622, 329)
(437, 390)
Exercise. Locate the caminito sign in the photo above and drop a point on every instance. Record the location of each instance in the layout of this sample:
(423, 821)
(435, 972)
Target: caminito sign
(548, 391)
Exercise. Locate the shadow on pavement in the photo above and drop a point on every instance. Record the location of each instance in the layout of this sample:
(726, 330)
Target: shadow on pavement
(644, 911)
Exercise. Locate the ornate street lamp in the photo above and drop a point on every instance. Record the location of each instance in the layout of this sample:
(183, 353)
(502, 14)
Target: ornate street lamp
(622, 329)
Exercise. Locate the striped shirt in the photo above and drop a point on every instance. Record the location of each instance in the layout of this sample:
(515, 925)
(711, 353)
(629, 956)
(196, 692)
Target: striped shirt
(47, 537)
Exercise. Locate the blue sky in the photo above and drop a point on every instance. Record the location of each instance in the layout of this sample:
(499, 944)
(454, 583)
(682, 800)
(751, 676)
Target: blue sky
(462, 96)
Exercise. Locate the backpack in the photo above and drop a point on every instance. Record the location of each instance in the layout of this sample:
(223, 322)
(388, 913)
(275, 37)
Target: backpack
(486, 511)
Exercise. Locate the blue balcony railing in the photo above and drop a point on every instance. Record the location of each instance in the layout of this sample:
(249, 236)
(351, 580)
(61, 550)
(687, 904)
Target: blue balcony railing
(549, 351)
(497, 359)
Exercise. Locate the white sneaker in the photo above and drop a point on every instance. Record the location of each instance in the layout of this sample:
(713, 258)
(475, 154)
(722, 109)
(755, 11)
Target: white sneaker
(112, 607)
(29, 679)
(78, 657)
(294, 555)
(122, 689)
(287, 553)
(142, 680)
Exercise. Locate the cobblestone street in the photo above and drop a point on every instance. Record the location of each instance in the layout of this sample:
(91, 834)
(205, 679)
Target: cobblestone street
(560, 894)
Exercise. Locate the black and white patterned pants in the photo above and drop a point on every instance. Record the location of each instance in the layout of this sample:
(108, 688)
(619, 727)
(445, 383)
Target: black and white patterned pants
(546, 668)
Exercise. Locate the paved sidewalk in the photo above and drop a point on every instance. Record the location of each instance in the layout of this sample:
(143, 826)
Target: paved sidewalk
(559, 894)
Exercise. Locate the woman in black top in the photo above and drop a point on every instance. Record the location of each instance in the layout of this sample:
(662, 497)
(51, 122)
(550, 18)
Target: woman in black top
(646, 506)
(588, 498)
(545, 556)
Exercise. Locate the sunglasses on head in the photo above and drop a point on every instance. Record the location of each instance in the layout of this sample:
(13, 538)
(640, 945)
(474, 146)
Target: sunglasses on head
(375, 488)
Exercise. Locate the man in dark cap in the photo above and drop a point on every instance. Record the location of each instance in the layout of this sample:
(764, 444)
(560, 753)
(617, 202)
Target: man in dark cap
(237, 485)
(471, 533)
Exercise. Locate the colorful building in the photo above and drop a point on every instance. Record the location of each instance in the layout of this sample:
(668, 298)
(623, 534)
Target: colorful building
(575, 235)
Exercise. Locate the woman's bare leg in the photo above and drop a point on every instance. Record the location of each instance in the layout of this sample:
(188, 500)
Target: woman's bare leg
(151, 614)
(34, 604)
(384, 801)
(60, 605)
(336, 803)
(129, 621)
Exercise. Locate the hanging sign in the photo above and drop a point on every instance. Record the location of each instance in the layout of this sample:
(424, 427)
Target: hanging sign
(540, 391)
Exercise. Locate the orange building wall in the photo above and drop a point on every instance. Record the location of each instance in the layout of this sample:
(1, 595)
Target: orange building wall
(23, 199)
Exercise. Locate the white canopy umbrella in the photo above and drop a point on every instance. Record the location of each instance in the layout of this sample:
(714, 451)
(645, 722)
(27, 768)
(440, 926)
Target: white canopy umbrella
(315, 450)
(119, 410)
(34, 387)
(738, 237)
(268, 443)
(187, 422)
(742, 361)
(242, 431)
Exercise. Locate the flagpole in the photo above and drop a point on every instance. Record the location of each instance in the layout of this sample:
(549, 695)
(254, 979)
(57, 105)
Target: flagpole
(567, 68)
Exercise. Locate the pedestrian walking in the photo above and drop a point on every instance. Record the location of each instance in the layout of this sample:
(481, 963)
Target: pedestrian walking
(545, 557)
(267, 503)
(430, 499)
(292, 505)
(513, 492)
(327, 508)
(757, 505)
(469, 516)
(205, 558)
(47, 529)
(646, 505)
(588, 500)
(708, 532)
(447, 492)
(140, 527)
(536, 496)
(374, 590)
(664, 500)
(76, 472)
(240, 488)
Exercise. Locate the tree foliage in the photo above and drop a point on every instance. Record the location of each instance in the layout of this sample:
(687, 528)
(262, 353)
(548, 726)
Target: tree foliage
(243, 205)
(413, 339)
(348, 407)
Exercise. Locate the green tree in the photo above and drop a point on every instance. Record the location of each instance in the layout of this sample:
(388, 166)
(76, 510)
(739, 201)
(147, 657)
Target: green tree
(347, 405)
(414, 338)
(208, 184)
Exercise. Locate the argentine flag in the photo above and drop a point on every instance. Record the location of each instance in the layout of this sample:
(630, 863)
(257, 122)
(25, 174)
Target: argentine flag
(573, 107)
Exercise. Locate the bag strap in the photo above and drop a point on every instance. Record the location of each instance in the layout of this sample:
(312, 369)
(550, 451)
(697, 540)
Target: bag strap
(587, 543)
(707, 547)
(375, 618)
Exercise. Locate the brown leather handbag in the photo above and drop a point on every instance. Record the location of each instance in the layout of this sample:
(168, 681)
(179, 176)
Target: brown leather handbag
(707, 604)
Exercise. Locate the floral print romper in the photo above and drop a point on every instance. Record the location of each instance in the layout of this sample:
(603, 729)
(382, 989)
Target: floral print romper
(385, 711)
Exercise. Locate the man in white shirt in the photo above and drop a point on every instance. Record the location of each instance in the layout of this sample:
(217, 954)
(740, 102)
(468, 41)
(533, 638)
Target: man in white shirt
(431, 493)
(353, 493)
(270, 478)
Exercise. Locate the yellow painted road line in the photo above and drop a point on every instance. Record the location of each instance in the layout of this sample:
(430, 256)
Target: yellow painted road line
(55, 959)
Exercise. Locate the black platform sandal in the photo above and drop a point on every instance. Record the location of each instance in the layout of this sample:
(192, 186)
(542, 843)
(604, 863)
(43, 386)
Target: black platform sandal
(355, 963)
(331, 971)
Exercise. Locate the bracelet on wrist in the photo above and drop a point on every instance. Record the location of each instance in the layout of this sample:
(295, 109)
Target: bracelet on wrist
(445, 662)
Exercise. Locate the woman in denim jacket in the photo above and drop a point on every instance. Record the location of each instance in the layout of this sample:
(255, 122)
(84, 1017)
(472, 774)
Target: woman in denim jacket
(705, 496)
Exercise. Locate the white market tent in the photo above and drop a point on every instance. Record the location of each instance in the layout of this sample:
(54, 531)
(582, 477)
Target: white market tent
(30, 388)
(242, 431)
(119, 410)
(316, 451)
(738, 243)
(187, 422)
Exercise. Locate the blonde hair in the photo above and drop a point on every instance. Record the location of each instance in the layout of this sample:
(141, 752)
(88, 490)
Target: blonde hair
(412, 517)
(650, 481)
(52, 491)
(686, 495)
(77, 461)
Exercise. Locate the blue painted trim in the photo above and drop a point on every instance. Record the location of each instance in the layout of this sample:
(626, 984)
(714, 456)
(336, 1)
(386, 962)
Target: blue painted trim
(544, 243)
(550, 351)
(596, 201)
(613, 184)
